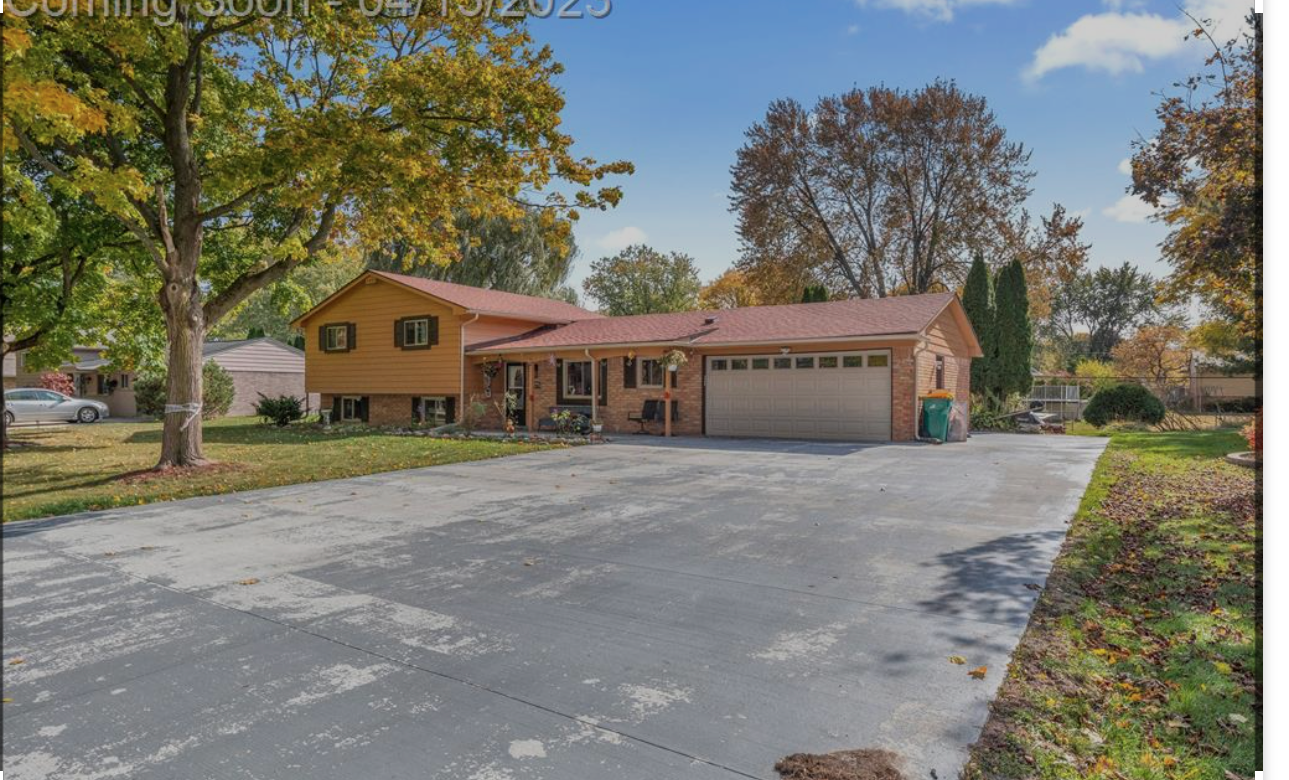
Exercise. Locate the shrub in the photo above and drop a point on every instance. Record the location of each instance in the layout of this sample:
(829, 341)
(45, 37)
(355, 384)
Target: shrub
(281, 411)
(216, 395)
(150, 395)
(58, 382)
(217, 390)
(1253, 434)
(1124, 402)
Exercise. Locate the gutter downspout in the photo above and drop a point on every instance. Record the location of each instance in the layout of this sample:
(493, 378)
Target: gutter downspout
(461, 404)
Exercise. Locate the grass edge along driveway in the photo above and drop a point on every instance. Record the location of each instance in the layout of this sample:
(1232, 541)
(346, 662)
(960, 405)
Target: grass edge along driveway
(68, 469)
(1141, 659)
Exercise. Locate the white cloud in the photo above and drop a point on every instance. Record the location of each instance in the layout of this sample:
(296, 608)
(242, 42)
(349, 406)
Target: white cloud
(938, 10)
(1116, 42)
(852, 30)
(617, 240)
(1129, 208)
(1125, 166)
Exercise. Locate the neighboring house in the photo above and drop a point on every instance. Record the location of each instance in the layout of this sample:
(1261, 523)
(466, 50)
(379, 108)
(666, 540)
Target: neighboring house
(10, 373)
(91, 378)
(259, 366)
(389, 349)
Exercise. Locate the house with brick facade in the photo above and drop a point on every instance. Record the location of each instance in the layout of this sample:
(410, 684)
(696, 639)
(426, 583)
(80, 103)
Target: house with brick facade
(390, 349)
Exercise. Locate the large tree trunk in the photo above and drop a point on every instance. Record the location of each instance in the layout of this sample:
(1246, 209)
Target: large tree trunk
(185, 330)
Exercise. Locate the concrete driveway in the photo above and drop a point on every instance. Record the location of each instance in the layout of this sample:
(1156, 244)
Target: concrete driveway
(637, 610)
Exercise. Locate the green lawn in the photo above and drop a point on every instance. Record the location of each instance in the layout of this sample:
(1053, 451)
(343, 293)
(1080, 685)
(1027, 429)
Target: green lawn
(80, 467)
(1142, 657)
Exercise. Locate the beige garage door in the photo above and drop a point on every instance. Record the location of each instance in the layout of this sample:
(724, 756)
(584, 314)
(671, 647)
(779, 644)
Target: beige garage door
(843, 396)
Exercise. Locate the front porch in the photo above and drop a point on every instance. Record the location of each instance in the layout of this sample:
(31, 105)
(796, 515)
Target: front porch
(617, 388)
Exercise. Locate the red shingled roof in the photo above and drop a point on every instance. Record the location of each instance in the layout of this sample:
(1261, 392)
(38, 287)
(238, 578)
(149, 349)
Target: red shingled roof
(897, 316)
(477, 299)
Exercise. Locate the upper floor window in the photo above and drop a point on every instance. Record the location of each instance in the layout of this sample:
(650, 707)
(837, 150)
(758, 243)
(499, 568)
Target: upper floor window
(939, 372)
(337, 338)
(416, 333)
(419, 332)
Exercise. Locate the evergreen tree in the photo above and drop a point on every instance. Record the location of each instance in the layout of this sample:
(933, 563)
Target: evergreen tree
(978, 300)
(1014, 333)
(814, 293)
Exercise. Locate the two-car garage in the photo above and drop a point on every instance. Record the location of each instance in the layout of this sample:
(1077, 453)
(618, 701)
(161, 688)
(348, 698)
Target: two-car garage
(836, 395)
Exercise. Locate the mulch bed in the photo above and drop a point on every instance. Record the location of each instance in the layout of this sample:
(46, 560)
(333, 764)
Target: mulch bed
(842, 765)
(173, 472)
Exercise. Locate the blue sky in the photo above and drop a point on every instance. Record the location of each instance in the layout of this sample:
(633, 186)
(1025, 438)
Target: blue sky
(672, 84)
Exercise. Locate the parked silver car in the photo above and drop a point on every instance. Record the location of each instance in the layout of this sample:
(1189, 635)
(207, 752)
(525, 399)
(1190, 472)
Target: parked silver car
(34, 404)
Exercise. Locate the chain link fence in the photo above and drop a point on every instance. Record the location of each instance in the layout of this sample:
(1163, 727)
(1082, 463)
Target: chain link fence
(1229, 399)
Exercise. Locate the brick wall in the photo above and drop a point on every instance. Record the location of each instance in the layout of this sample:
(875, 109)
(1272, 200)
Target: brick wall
(247, 385)
(383, 410)
(903, 405)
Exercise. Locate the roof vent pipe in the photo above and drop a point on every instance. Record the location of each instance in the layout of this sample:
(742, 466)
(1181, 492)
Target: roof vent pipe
(709, 320)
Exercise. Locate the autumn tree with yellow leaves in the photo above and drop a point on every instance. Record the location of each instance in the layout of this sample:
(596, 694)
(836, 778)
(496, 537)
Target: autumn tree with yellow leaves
(233, 150)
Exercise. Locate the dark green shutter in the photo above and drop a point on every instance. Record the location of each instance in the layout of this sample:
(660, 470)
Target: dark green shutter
(559, 382)
(604, 382)
(434, 330)
(628, 372)
(363, 404)
(398, 334)
(353, 337)
(335, 409)
(452, 409)
(322, 338)
(416, 403)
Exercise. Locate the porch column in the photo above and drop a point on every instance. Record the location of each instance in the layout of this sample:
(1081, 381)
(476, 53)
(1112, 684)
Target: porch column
(595, 388)
(669, 378)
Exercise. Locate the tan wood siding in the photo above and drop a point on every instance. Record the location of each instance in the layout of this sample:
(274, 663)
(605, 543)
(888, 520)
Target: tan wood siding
(945, 337)
(487, 329)
(375, 365)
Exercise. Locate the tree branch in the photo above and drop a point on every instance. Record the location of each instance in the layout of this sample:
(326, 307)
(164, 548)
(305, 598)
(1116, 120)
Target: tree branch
(219, 305)
(49, 165)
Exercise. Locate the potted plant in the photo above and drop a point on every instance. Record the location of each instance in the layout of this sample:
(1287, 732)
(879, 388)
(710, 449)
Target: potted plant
(597, 426)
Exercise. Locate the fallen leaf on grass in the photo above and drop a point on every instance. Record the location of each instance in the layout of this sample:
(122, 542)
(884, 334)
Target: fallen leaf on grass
(979, 672)
(249, 581)
(957, 659)
(17, 661)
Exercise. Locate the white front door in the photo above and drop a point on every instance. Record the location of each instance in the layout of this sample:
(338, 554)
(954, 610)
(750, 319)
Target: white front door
(835, 395)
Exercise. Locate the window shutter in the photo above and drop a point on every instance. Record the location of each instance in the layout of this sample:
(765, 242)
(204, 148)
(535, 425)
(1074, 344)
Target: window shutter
(434, 330)
(363, 407)
(353, 337)
(416, 410)
(604, 382)
(398, 334)
(452, 409)
(675, 377)
(335, 409)
(322, 338)
(628, 372)
(559, 382)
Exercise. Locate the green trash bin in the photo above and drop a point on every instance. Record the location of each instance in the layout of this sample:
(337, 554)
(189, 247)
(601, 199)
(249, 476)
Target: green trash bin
(935, 417)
